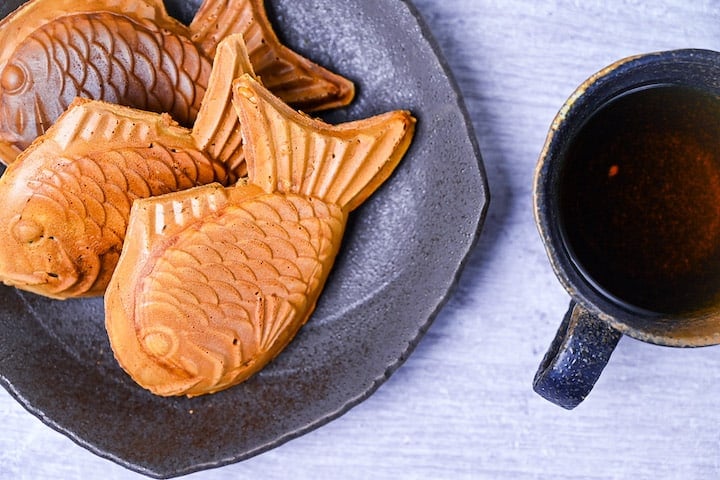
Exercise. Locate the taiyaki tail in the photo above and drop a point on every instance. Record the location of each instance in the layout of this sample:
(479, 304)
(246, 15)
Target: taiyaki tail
(290, 152)
(295, 79)
(217, 127)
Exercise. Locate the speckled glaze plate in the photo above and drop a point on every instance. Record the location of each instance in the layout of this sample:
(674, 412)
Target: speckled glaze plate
(401, 256)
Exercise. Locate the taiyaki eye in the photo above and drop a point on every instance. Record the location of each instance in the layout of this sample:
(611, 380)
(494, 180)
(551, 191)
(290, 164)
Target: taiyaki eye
(160, 341)
(27, 231)
(13, 78)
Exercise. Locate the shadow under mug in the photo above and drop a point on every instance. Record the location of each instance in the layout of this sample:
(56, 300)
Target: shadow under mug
(596, 320)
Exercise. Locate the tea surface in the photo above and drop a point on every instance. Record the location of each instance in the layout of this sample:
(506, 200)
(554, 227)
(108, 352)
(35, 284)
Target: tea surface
(640, 199)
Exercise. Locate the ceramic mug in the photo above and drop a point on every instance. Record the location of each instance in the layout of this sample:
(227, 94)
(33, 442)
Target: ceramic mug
(627, 202)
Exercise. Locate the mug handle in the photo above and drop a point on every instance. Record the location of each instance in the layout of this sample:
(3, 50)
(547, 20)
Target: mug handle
(576, 358)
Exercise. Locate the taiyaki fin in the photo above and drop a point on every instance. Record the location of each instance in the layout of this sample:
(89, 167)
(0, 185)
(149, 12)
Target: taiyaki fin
(294, 78)
(168, 214)
(93, 125)
(8, 152)
(217, 128)
(291, 152)
(36, 13)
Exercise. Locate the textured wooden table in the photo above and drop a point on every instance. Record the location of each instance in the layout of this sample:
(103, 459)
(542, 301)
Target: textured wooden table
(462, 406)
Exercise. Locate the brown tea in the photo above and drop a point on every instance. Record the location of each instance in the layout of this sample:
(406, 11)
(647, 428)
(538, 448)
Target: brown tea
(640, 199)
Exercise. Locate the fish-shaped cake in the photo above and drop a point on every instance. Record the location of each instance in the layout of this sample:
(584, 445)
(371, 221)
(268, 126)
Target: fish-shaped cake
(66, 201)
(214, 282)
(131, 52)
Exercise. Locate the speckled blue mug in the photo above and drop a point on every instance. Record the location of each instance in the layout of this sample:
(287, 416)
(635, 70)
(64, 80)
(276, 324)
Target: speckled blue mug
(581, 248)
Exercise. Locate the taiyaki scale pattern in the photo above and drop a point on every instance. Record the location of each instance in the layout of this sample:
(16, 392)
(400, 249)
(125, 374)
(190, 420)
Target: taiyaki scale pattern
(132, 53)
(67, 200)
(214, 282)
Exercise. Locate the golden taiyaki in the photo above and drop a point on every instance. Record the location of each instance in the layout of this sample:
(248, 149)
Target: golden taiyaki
(131, 52)
(66, 201)
(214, 282)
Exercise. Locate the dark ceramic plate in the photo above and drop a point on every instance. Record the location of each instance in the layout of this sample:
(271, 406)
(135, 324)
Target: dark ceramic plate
(401, 256)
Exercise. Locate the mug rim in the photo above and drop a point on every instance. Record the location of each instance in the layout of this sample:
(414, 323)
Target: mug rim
(624, 75)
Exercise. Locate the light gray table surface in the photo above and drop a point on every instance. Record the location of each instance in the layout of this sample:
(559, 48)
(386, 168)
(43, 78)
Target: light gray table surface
(462, 406)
